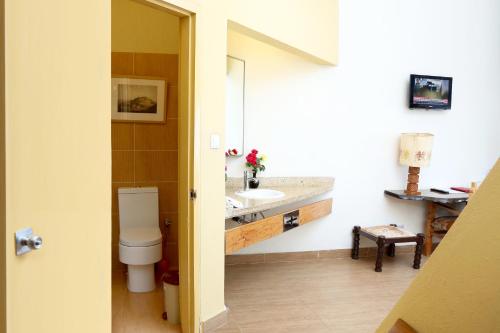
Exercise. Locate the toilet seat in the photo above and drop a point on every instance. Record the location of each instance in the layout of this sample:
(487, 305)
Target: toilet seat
(140, 236)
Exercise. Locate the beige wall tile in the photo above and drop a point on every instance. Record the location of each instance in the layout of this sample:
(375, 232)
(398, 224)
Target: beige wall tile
(116, 265)
(115, 229)
(122, 63)
(172, 101)
(146, 154)
(158, 65)
(155, 166)
(167, 195)
(156, 136)
(122, 136)
(173, 254)
(123, 166)
(173, 230)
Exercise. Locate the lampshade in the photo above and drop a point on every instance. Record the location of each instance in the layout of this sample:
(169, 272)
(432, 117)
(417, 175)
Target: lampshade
(415, 149)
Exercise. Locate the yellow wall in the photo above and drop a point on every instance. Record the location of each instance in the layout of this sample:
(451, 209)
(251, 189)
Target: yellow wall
(308, 28)
(281, 23)
(292, 32)
(58, 164)
(211, 27)
(458, 289)
(3, 247)
(210, 103)
(139, 28)
(81, 30)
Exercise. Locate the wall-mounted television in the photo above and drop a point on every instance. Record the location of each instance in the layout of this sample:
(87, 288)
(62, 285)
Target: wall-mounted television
(430, 92)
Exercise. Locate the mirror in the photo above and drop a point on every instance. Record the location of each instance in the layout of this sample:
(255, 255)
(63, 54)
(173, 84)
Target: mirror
(235, 104)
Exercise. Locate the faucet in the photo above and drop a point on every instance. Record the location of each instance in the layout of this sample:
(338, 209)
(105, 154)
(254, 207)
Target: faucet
(245, 180)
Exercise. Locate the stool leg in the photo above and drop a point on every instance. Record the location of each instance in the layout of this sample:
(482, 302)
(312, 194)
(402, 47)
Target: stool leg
(380, 253)
(391, 250)
(418, 251)
(355, 243)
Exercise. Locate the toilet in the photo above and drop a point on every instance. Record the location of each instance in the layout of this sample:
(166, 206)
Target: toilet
(140, 236)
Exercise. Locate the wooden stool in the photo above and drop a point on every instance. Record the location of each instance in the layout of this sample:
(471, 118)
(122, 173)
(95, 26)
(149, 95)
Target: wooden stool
(390, 235)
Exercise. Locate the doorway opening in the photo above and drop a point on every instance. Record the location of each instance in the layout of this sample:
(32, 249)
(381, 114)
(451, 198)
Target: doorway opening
(152, 69)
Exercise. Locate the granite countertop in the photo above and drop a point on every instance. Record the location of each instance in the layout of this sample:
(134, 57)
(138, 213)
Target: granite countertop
(295, 189)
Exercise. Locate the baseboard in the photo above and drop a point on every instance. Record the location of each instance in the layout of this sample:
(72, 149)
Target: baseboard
(215, 322)
(239, 259)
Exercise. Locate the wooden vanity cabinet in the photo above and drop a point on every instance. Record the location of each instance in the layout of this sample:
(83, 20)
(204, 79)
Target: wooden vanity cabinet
(248, 234)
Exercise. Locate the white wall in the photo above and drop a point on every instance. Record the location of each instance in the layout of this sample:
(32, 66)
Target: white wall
(345, 121)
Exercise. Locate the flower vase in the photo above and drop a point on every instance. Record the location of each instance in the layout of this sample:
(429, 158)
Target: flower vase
(253, 182)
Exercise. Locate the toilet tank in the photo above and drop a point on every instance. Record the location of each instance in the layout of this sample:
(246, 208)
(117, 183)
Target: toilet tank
(138, 207)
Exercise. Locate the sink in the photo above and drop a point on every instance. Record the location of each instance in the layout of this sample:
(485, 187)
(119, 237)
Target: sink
(261, 194)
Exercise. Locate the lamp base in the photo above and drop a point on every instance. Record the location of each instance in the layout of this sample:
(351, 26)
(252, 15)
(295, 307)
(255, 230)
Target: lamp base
(412, 185)
(412, 193)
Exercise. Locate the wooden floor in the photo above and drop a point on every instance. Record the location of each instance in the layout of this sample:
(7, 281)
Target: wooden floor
(328, 295)
(134, 312)
(325, 295)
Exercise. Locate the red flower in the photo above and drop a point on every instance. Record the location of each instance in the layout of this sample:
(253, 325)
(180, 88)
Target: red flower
(235, 151)
(254, 162)
(251, 159)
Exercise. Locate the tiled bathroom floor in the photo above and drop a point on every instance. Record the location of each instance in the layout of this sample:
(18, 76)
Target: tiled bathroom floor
(320, 296)
(138, 313)
(317, 296)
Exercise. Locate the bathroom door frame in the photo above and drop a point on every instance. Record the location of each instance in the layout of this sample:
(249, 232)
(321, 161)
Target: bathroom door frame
(187, 166)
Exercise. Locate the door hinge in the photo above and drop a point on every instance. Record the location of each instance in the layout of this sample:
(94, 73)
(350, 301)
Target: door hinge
(192, 194)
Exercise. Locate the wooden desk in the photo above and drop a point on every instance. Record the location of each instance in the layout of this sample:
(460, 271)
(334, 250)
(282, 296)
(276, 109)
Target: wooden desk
(433, 201)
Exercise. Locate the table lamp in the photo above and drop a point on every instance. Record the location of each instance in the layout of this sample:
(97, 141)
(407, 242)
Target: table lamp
(415, 152)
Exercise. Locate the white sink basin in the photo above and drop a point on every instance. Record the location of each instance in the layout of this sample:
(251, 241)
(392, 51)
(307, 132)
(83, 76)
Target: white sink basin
(261, 194)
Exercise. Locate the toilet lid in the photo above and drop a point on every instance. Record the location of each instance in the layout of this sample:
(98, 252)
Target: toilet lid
(140, 236)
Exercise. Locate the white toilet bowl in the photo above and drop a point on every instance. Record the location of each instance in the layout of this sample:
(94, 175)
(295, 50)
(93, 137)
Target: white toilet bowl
(140, 236)
(140, 249)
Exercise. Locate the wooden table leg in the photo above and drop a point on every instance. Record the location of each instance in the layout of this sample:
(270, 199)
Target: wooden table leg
(418, 251)
(355, 243)
(431, 213)
(391, 250)
(380, 253)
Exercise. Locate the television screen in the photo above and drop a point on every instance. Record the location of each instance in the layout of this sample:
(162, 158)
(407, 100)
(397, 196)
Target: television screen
(430, 92)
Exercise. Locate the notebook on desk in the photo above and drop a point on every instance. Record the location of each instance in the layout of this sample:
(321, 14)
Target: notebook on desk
(461, 189)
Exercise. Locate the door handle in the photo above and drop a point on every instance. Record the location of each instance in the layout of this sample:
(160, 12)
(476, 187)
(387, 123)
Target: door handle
(26, 241)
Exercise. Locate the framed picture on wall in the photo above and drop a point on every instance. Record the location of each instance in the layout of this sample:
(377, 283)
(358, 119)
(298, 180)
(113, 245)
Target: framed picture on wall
(138, 99)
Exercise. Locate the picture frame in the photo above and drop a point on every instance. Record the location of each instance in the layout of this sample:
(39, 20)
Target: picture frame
(138, 99)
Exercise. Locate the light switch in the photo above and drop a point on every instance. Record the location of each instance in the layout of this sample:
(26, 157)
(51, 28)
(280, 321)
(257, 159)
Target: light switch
(214, 141)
